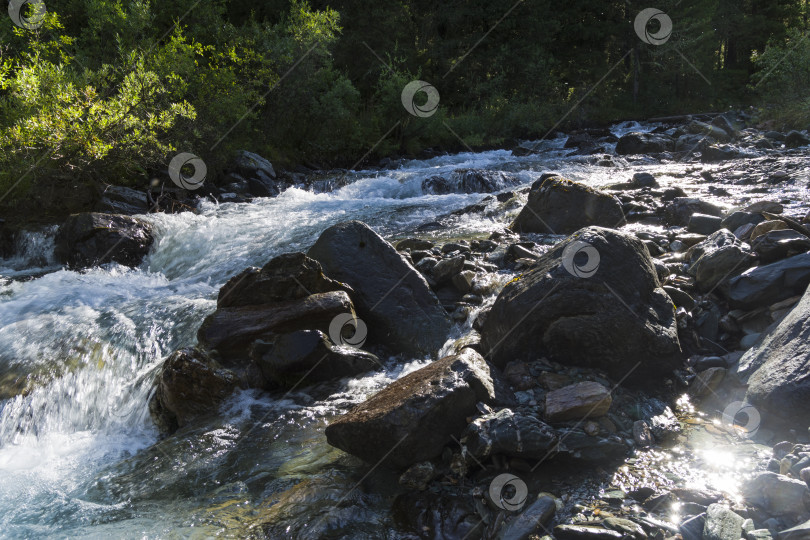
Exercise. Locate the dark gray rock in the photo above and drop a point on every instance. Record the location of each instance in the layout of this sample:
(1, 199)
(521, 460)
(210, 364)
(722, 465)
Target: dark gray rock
(777, 495)
(681, 209)
(308, 356)
(287, 277)
(618, 319)
(190, 385)
(777, 368)
(561, 206)
(737, 219)
(445, 269)
(391, 295)
(799, 532)
(796, 139)
(248, 165)
(776, 245)
(625, 526)
(643, 180)
(416, 416)
(715, 153)
(122, 200)
(704, 224)
(718, 258)
(692, 528)
(585, 532)
(510, 434)
(766, 285)
(577, 444)
(90, 239)
(232, 330)
(532, 520)
(469, 181)
(644, 143)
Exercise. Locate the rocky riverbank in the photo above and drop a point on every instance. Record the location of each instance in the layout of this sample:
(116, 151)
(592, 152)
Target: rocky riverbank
(580, 351)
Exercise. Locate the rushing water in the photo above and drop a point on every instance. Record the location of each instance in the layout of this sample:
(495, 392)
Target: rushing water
(79, 456)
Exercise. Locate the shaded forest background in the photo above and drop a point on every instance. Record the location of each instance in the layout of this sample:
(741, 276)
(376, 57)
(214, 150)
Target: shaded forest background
(110, 90)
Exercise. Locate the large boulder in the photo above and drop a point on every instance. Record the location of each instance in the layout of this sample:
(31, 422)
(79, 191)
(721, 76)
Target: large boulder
(718, 258)
(391, 295)
(561, 206)
(778, 366)
(308, 356)
(779, 244)
(644, 143)
(765, 285)
(615, 316)
(469, 181)
(681, 209)
(777, 495)
(91, 238)
(190, 385)
(578, 401)
(232, 330)
(287, 277)
(413, 419)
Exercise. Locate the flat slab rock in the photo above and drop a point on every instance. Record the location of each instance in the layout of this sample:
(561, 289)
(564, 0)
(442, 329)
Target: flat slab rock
(414, 418)
(578, 401)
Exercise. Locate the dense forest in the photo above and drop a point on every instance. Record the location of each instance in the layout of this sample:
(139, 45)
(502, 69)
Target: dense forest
(100, 90)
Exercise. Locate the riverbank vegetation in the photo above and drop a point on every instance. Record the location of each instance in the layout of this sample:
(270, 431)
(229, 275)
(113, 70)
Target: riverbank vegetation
(110, 90)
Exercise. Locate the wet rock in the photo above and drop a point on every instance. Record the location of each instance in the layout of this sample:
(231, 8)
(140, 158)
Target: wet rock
(436, 515)
(778, 367)
(418, 476)
(445, 269)
(796, 139)
(287, 277)
(562, 206)
(718, 258)
(643, 180)
(707, 381)
(704, 224)
(777, 495)
(625, 526)
(469, 181)
(532, 520)
(91, 238)
(644, 143)
(577, 444)
(764, 285)
(391, 296)
(578, 401)
(190, 385)
(510, 434)
(584, 532)
(692, 528)
(308, 356)
(722, 524)
(681, 209)
(765, 206)
(776, 245)
(414, 418)
(232, 330)
(619, 319)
